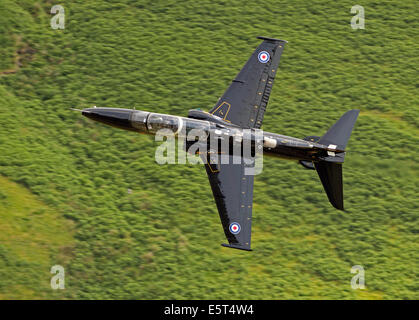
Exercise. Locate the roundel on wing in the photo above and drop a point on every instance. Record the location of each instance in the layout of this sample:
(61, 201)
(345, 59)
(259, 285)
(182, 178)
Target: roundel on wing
(235, 228)
(263, 56)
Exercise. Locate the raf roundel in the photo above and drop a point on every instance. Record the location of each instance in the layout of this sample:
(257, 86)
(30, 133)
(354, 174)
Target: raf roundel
(263, 56)
(235, 228)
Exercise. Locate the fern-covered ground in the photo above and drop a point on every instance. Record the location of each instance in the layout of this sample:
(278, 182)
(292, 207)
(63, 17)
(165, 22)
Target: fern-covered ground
(64, 188)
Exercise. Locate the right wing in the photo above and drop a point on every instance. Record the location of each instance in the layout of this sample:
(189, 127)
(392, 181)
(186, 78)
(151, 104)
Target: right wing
(233, 193)
(244, 102)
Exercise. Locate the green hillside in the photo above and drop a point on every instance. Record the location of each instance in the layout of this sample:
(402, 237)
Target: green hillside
(33, 237)
(64, 179)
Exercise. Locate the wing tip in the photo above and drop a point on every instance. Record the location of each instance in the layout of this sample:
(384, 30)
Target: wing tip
(233, 246)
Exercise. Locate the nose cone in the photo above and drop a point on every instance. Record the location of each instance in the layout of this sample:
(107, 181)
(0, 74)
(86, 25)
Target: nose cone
(115, 117)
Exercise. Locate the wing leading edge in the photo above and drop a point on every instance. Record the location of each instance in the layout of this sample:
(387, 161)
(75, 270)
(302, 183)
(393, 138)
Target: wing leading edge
(244, 102)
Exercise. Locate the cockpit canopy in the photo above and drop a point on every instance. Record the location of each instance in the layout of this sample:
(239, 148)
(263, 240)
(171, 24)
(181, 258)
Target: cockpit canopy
(157, 121)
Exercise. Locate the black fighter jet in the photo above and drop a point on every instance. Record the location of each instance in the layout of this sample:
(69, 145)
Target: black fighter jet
(236, 118)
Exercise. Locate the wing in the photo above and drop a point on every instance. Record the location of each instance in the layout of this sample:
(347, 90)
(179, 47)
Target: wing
(233, 193)
(244, 102)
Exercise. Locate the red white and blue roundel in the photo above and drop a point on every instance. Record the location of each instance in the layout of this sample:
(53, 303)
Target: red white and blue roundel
(235, 228)
(263, 56)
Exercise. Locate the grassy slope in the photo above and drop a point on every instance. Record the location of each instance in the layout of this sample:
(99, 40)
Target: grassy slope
(32, 239)
(169, 57)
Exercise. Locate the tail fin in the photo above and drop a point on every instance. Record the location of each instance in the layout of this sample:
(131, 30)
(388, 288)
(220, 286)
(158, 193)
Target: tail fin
(330, 169)
(338, 135)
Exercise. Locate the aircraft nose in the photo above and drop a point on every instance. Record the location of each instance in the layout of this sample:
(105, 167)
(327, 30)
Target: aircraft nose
(115, 117)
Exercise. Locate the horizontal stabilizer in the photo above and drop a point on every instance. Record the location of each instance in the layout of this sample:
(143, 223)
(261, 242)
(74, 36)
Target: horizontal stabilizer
(338, 135)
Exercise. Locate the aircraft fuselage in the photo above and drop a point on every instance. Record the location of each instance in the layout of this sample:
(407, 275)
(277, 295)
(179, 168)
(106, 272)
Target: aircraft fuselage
(210, 126)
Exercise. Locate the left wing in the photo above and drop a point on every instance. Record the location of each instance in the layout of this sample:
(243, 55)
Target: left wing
(233, 193)
(245, 101)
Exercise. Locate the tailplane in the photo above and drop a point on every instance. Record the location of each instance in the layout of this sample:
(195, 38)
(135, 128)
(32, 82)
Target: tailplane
(338, 135)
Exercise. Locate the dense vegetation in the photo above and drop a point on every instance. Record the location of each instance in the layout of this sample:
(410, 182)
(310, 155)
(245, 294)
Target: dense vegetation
(161, 239)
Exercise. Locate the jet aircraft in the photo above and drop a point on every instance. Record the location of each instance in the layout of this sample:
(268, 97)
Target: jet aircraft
(242, 107)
